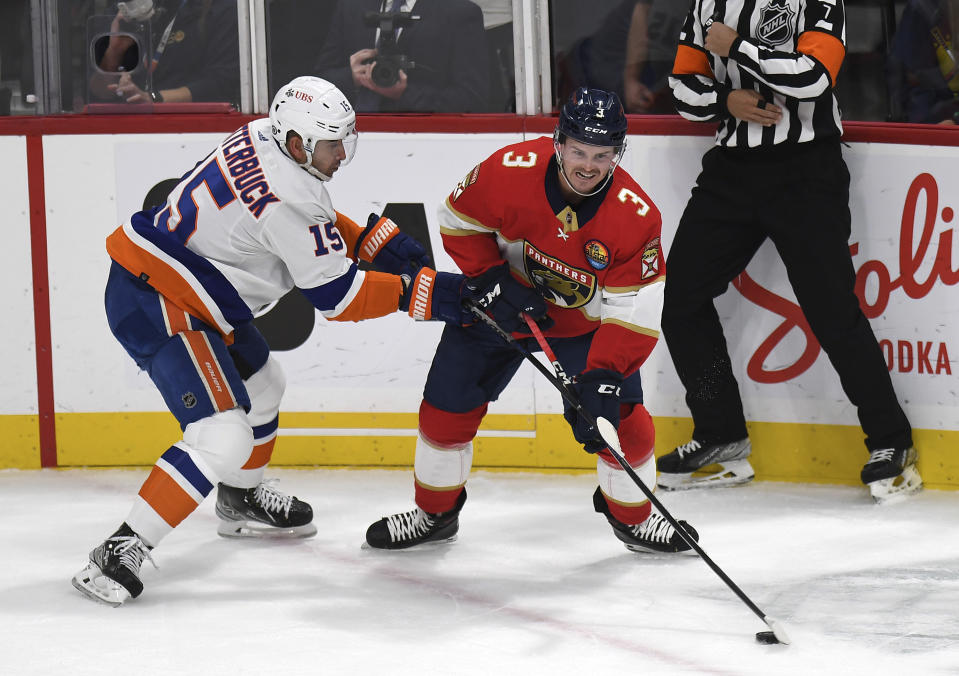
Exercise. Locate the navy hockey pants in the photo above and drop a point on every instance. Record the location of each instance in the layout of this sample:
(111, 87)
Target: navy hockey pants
(473, 365)
(189, 362)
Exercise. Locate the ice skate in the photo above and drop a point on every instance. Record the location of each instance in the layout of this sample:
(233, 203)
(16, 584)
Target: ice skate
(262, 512)
(113, 574)
(891, 474)
(699, 465)
(416, 527)
(654, 535)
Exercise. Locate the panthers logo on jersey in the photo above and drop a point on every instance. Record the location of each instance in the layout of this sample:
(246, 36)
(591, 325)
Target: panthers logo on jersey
(560, 283)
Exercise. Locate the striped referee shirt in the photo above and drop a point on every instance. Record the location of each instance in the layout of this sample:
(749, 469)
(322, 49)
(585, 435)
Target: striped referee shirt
(789, 51)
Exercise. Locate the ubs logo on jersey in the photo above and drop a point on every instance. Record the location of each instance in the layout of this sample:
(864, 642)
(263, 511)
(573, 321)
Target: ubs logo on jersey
(776, 23)
(597, 255)
(561, 284)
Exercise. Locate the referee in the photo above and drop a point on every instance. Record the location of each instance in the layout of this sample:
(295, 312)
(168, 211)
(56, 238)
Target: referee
(765, 71)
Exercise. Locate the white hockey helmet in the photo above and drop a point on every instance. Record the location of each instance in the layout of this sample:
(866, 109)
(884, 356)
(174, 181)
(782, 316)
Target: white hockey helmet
(317, 111)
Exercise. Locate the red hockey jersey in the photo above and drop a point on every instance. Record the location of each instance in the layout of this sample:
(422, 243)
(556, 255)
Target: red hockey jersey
(599, 265)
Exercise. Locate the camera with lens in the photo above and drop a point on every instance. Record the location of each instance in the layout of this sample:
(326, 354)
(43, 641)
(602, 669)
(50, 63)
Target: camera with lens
(389, 61)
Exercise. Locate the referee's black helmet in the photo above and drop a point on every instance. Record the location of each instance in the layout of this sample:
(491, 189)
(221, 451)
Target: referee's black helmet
(593, 116)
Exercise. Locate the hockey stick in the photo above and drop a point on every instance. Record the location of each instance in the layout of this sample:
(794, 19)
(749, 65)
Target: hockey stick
(607, 431)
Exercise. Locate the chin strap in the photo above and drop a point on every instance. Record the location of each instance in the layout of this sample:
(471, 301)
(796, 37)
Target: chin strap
(306, 166)
(310, 169)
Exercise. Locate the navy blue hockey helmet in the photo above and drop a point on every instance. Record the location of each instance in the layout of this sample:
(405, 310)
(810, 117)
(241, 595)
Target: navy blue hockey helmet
(593, 116)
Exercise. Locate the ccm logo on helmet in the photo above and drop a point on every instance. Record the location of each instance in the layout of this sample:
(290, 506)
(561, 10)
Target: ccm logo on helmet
(596, 130)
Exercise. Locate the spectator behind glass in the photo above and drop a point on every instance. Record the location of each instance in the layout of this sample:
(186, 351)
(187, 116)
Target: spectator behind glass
(194, 55)
(922, 67)
(650, 52)
(446, 70)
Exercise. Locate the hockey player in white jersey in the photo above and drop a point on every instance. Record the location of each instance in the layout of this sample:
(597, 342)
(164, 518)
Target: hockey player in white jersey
(249, 222)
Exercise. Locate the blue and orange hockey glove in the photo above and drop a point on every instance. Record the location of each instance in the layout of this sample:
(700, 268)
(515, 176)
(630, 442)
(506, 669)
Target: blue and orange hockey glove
(382, 244)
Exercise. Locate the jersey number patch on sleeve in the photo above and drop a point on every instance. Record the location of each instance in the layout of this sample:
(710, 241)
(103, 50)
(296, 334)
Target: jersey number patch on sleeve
(526, 161)
(332, 237)
(627, 194)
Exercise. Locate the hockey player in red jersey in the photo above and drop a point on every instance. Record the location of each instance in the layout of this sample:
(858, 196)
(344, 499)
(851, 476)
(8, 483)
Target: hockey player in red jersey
(249, 222)
(551, 228)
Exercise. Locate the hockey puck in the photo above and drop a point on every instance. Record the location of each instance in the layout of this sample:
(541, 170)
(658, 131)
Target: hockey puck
(766, 637)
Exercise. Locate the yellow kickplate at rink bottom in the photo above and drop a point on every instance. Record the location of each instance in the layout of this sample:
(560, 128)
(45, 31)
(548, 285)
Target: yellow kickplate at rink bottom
(21, 441)
(781, 451)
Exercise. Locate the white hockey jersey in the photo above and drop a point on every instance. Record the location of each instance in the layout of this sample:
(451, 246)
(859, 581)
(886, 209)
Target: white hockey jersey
(241, 229)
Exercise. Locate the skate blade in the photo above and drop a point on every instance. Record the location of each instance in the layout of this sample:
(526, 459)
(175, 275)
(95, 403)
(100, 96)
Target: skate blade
(648, 551)
(730, 473)
(256, 530)
(93, 584)
(896, 489)
(423, 546)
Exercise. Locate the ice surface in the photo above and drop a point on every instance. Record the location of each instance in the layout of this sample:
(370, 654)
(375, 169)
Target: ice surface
(536, 584)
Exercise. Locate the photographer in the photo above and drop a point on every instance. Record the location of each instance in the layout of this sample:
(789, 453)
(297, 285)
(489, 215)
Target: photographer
(194, 55)
(422, 55)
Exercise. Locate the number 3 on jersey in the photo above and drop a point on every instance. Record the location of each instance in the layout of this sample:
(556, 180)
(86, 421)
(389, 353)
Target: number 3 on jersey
(627, 194)
(187, 208)
(525, 161)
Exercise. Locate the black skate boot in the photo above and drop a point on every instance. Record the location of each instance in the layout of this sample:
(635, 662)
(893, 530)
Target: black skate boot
(262, 512)
(699, 465)
(655, 534)
(891, 474)
(416, 527)
(113, 573)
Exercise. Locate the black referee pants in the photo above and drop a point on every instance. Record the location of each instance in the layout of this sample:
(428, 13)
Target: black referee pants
(797, 196)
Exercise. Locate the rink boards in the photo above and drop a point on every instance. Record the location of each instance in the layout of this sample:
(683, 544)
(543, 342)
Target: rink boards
(354, 389)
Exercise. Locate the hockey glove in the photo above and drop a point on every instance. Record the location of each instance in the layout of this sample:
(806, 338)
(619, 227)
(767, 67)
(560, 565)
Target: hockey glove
(382, 244)
(435, 295)
(598, 392)
(504, 299)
